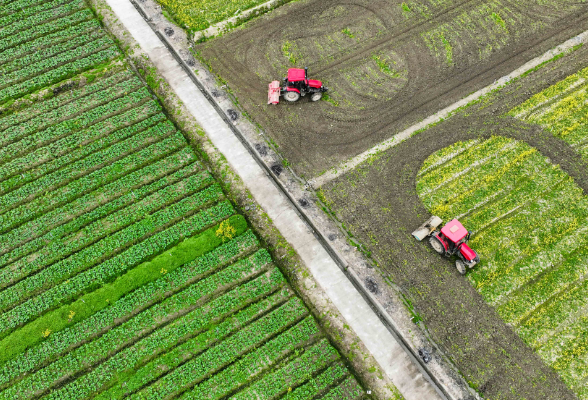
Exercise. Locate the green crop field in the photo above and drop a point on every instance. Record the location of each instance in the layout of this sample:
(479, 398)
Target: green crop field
(562, 109)
(196, 15)
(124, 270)
(529, 221)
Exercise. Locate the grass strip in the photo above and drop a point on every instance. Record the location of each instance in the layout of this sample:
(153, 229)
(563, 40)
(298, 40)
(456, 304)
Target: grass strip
(137, 301)
(294, 373)
(161, 340)
(140, 338)
(251, 365)
(96, 277)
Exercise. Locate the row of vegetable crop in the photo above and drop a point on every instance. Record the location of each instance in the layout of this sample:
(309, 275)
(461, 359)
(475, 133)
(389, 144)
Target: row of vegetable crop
(27, 10)
(111, 268)
(9, 7)
(51, 274)
(22, 24)
(83, 330)
(294, 373)
(255, 363)
(62, 195)
(33, 117)
(59, 73)
(319, 384)
(109, 225)
(25, 142)
(127, 344)
(127, 148)
(78, 111)
(68, 219)
(28, 71)
(49, 27)
(70, 149)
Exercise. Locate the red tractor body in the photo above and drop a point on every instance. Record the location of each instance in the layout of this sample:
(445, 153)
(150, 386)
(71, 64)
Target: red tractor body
(450, 240)
(296, 84)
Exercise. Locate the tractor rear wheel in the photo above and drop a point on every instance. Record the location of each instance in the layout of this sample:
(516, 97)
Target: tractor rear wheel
(437, 245)
(316, 96)
(461, 267)
(291, 96)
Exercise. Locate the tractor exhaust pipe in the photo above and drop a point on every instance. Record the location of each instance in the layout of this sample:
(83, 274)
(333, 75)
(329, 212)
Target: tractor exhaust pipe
(427, 228)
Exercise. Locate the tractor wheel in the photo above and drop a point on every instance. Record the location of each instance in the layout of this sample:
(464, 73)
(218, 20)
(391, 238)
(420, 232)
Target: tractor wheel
(291, 96)
(316, 96)
(461, 267)
(437, 245)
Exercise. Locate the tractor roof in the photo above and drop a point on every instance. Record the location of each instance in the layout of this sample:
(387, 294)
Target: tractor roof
(454, 231)
(296, 74)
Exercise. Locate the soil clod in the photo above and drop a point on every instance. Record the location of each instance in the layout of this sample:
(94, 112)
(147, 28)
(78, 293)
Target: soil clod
(232, 114)
(371, 284)
(277, 169)
(261, 149)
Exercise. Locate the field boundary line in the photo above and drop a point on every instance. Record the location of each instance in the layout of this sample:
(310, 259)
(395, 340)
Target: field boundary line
(445, 113)
(328, 268)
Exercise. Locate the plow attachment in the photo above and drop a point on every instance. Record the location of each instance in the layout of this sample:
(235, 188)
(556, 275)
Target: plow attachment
(425, 229)
(273, 95)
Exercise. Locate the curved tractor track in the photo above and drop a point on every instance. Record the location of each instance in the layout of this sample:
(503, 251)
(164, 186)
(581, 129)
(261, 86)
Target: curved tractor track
(489, 353)
(386, 67)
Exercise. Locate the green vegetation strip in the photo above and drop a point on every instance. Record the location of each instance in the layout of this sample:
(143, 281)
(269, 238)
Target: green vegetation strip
(94, 301)
(146, 334)
(105, 272)
(139, 300)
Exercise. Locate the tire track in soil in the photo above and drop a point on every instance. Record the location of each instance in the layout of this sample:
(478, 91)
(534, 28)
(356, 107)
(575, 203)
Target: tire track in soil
(462, 324)
(313, 147)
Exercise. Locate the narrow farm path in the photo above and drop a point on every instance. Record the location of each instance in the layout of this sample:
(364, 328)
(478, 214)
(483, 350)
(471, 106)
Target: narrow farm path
(360, 317)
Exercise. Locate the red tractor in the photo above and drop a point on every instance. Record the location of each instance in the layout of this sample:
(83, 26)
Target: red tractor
(450, 240)
(296, 84)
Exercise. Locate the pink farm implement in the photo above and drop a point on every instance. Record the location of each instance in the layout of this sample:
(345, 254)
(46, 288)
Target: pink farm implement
(450, 240)
(296, 84)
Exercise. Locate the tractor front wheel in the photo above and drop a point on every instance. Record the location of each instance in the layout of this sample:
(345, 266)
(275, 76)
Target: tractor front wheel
(437, 245)
(461, 267)
(291, 96)
(316, 96)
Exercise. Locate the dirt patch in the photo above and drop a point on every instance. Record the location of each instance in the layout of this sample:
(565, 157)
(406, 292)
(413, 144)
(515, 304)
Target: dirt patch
(378, 202)
(387, 66)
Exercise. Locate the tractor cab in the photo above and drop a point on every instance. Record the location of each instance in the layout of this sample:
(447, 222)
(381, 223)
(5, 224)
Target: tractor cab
(296, 84)
(450, 240)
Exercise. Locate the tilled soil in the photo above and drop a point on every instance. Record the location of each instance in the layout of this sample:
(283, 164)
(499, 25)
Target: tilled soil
(378, 202)
(386, 68)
